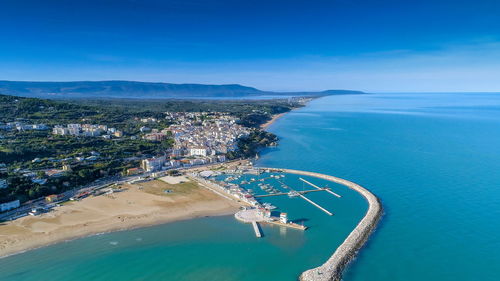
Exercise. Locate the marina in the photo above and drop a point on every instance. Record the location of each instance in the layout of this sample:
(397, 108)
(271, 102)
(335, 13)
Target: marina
(249, 186)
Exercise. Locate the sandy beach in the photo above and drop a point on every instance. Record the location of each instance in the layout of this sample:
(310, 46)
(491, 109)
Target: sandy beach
(273, 119)
(138, 205)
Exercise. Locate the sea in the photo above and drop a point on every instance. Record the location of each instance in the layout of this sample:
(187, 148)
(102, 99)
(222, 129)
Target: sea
(433, 159)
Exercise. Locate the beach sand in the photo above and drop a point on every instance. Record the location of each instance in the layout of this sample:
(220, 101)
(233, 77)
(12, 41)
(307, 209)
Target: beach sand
(138, 205)
(273, 119)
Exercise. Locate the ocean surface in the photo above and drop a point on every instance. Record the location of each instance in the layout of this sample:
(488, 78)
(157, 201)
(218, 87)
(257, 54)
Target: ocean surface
(433, 159)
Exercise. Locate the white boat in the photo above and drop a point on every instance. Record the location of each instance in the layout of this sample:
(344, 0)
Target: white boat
(269, 206)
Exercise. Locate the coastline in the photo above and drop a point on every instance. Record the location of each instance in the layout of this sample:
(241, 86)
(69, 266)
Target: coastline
(278, 116)
(333, 268)
(129, 209)
(273, 119)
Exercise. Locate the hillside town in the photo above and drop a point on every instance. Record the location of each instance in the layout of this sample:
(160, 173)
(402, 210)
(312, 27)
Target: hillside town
(199, 138)
(191, 138)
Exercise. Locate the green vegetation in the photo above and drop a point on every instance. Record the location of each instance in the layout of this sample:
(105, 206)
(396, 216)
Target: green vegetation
(252, 113)
(250, 145)
(29, 154)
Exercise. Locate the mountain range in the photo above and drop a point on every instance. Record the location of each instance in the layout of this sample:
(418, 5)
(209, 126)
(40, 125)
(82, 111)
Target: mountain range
(144, 90)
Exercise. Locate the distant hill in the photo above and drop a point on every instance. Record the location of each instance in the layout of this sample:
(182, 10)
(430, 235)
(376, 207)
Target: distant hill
(149, 90)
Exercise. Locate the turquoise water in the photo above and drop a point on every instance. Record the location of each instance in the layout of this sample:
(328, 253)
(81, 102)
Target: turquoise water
(433, 159)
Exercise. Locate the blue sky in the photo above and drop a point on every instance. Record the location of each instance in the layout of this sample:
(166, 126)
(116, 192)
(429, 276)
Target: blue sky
(371, 45)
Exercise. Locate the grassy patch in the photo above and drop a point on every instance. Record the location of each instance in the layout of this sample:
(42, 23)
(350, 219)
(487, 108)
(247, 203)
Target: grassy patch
(158, 188)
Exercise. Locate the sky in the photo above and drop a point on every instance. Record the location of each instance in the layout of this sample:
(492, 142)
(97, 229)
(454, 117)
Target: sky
(369, 45)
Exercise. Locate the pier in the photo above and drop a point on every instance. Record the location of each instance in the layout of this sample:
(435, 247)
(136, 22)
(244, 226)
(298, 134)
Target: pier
(316, 205)
(256, 228)
(309, 200)
(317, 187)
(286, 193)
(291, 225)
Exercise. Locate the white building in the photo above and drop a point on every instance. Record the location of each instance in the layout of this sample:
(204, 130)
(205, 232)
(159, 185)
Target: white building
(60, 130)
(3, 184)
(9, 205)
(152, 164)
(198, 151)
(283, 218)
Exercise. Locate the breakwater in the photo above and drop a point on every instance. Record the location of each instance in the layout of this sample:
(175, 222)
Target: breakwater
(332, 269)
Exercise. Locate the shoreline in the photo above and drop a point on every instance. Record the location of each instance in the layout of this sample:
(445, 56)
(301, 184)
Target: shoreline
(138, 226)
(333, 268)
(128, 210)
(273, 119)
(279, 115)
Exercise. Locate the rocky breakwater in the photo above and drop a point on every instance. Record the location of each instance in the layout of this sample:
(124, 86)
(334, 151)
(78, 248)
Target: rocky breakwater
(332, 269)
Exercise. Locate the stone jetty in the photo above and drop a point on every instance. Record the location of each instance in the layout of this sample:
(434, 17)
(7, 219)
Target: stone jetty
(332, 269)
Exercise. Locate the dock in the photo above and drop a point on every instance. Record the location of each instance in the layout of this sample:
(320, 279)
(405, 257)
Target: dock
(256, 228)
(252, 216)
(291, 225)
(317, 187)
(309, 200)
(286, 193)
(319, 207)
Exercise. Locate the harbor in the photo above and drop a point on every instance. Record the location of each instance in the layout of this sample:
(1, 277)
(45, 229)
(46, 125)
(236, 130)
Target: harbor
(250, 186)
(255, 211)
